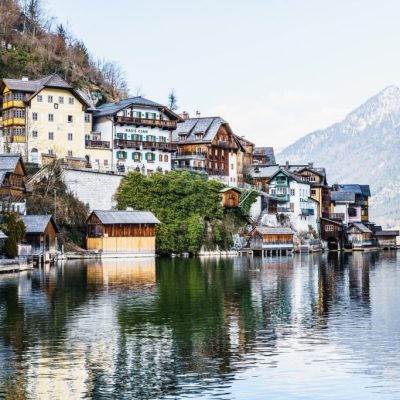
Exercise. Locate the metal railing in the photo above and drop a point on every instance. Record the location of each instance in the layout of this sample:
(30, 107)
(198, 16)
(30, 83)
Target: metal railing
(147, 122)
(97, 144)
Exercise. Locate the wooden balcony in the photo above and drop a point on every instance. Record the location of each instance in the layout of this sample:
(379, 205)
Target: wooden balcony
(187, 155)
(333, 216)
(136, 144)
(159, 123)
(226, 145)
(97, 144)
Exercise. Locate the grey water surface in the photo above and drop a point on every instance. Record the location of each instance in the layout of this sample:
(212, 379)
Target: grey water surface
(304, 327)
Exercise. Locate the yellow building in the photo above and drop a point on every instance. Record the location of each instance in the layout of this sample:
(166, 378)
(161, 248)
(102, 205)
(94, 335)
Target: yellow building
(46, 119)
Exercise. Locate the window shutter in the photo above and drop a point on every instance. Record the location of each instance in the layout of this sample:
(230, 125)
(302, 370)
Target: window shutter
(153, 156)
(147, 115)
(147, 138)
(132, 137)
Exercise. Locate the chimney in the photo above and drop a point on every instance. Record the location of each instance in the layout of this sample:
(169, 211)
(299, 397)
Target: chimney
(310, 165)
(25, 78)
(184, 115)
(287, 165)
(197, 113)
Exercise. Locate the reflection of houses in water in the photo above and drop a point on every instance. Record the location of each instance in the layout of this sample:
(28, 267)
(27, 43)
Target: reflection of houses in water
(121, 272)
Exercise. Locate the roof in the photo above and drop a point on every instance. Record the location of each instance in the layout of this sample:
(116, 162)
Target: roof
(387, 233)
(331, 221)
(267, 230)
(266, 152)
(114, 108)
(193, 127)
(258, 171)
(343, 197)
(9, 161)
(3, 235)
(291, 175)
(37, 223)
(354, 188)
(361, 227)
(126, 217)
(227, 189)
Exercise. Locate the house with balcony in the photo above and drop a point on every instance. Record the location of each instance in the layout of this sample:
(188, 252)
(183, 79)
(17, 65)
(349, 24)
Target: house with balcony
(45, 118)
(208, 145)
(293, 197)
(13, 191)
(139, 131)
(267, 240)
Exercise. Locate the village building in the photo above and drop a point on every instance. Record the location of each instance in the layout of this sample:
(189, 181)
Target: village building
(261, 175)
(293, 196)
(40, 236)
(45, 119)
(230, 197)
(139, 131)
(122, 233)
(244, 160)
(208, 145)
(386, 239)
(264, 156)
(267, 241)
(13, 191)
(359, 236)
(333, 233)
(350, 203)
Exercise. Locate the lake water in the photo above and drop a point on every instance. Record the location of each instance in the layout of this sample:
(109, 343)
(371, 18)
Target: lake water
(304, 327)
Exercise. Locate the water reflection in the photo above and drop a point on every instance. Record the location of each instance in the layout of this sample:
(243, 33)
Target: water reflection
(244, 328)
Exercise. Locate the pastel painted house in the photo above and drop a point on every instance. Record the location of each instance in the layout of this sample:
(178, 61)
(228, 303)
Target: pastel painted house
(122, 233)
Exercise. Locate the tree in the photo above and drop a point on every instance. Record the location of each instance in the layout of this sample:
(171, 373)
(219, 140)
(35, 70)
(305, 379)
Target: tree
(14, 228)
(172, 100)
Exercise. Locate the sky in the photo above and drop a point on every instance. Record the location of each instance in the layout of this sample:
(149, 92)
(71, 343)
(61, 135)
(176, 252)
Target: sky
(274, 69)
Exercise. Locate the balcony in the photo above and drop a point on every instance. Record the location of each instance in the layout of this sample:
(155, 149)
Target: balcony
(17, 139)
(226, 145)
(187, 155)
(97, 144)
(307, 211)
(284, 209)
(334, 216)
(280, 197)
(137, 144)
(209, 171)
(159, 123)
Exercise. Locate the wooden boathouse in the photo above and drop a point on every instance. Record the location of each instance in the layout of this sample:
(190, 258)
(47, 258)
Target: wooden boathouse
(268, 241)
(122, 233)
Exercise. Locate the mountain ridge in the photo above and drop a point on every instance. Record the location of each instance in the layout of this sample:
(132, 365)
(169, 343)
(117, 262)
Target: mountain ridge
(362, 148)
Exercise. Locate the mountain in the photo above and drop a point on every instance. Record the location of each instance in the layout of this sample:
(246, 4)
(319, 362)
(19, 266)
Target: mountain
(363, 148)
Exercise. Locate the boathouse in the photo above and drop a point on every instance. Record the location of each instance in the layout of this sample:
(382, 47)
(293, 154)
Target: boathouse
(267, 241)
(40, 236)
(230, 197)
(359, 236)
(122, 233)
(332, 231)
(387, 239)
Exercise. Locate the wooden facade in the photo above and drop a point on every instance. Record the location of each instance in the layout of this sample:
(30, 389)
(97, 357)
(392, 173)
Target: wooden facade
(359, 236)
(272, 240)
(122, 232)
(230, 197)
(387, 239)
(332, 232)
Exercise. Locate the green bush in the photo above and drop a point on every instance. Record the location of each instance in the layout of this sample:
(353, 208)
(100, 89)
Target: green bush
(14, 228)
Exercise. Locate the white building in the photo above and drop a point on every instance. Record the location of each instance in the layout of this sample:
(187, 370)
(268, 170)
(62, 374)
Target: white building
(293, 196)
(140, 134)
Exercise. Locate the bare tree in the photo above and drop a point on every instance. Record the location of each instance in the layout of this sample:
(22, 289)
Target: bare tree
(172, 100)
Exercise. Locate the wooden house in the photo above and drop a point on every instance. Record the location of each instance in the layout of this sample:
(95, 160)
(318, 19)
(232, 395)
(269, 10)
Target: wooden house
(13, 191)
(359, 236)
(264, 156)
(230, 197)
(122, 233)
(271, 240)
(332, 231)
(386, 239)
(40, 236)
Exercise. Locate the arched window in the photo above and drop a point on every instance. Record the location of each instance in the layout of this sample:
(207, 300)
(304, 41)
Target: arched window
(34, 156)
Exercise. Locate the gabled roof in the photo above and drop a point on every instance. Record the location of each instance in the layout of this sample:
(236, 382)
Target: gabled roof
(3, 235)
(266, 152)
(387, 233)
(359, 226)
(354, 188)
(37, 223)
(9, 161)
(125, 217)
(114, 108)
(267, 230)
(331, 221)
(343, 197)
(263, 171)
(206, 128)
(227, 189)
(290, 175)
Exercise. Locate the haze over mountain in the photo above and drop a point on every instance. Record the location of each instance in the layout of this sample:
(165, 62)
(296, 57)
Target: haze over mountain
(363, 148)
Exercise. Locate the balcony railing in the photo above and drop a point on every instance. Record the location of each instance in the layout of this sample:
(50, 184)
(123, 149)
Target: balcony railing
(226, 145)
(284, 209)
(209, 171)
(160, 123)
(333, 216)
(307, 211)
(136, 144)
(97, 144)
(190, 155)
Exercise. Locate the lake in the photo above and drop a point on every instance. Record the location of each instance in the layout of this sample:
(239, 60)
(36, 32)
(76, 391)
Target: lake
(304, 327)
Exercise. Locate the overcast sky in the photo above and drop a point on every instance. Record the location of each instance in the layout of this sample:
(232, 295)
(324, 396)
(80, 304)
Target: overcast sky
(274, 69)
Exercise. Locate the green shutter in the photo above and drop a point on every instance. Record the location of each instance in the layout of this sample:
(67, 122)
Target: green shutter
(147, 138)
(147, 115)
(139, 114)
(132, 137)
(153, 156)
(141, 138)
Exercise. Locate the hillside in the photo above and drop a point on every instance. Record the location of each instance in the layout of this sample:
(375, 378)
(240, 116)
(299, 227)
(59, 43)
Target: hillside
(32, 44)
(363, 148)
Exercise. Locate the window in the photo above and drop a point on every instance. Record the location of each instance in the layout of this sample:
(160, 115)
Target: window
(34, 116)
(87, 118)
(49, 99)
(121, 155)
(51, 135)
(50, 152)
(18, 96)
(232, 166)
(69, 153)
(71, 100)
(51, 117)
(105, 163)
(292, 192)
(136, 156)
(39, 98)
(313, 192)
(273, 191)
(70, 119)
(160, 157)
(34, 134)
(69, 136)
(165, 158)
(352, 212)
(329, 228)
(150, 157)
(18, 113)
(61, 99)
